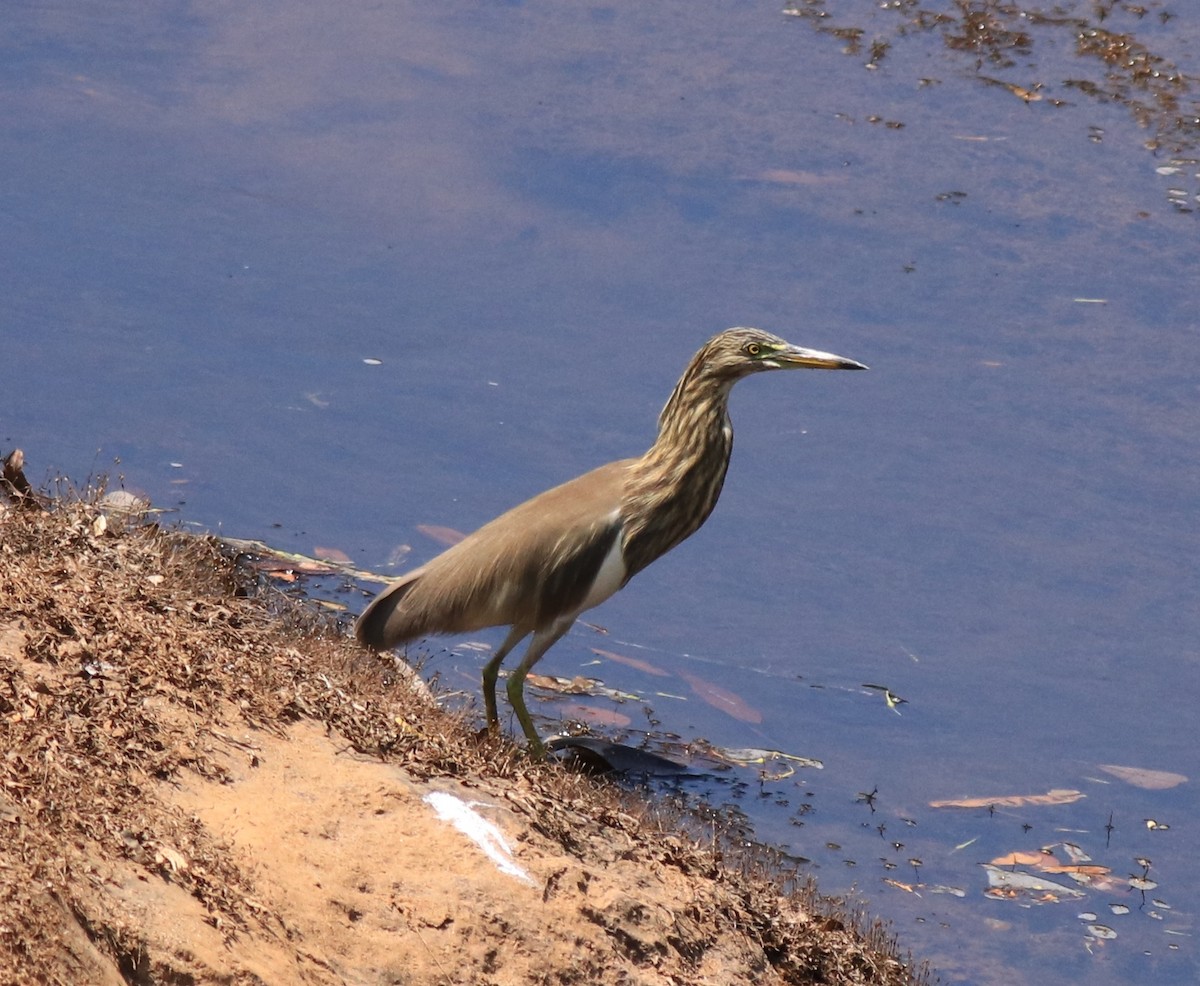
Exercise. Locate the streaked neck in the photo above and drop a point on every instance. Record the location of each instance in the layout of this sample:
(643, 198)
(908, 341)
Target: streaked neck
(673, 487)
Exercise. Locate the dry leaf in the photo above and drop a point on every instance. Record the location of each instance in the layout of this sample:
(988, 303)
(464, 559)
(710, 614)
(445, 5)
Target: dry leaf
(1058, 796)
(171, 857)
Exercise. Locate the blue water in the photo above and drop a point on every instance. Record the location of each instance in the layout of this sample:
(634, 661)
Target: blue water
(533, 217)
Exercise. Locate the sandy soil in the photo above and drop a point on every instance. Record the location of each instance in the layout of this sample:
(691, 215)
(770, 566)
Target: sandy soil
(200, 783)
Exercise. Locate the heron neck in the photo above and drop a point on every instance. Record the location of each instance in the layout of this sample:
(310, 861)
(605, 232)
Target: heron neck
(692, 424)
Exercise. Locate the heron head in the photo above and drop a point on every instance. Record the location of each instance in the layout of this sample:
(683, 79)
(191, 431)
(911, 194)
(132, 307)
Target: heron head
(739, 352)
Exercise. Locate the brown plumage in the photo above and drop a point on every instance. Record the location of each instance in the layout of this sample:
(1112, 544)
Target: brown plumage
(541, 564)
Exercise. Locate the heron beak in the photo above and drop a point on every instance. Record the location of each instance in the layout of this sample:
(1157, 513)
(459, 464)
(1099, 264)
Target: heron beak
(796, 358)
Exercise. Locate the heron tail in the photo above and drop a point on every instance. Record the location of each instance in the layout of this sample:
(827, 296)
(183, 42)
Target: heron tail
(385, 623)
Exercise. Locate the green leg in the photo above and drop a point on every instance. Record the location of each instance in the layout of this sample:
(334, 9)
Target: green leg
(491, 671)
(542, 641)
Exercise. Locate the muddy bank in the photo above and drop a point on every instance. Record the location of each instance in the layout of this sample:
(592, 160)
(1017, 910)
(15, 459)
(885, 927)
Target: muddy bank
(200, 783)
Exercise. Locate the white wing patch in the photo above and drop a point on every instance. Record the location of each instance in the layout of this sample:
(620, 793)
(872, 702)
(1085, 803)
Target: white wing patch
(608, 579)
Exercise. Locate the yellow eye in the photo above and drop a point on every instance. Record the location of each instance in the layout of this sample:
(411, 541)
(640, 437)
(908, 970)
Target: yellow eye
(753, 348)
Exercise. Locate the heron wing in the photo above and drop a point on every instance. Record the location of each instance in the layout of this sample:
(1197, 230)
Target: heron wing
(527, 567)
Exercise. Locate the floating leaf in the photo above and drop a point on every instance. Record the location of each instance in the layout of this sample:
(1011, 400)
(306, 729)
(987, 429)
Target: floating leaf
(1101, 931)
(1151, 780)
(632, 662)
(446, 536)
(1058, 796)
(722, 698)
(331, 554)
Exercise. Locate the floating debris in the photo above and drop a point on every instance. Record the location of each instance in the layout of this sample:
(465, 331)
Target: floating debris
(579, 685)
(893, 700)
(1012, 885)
